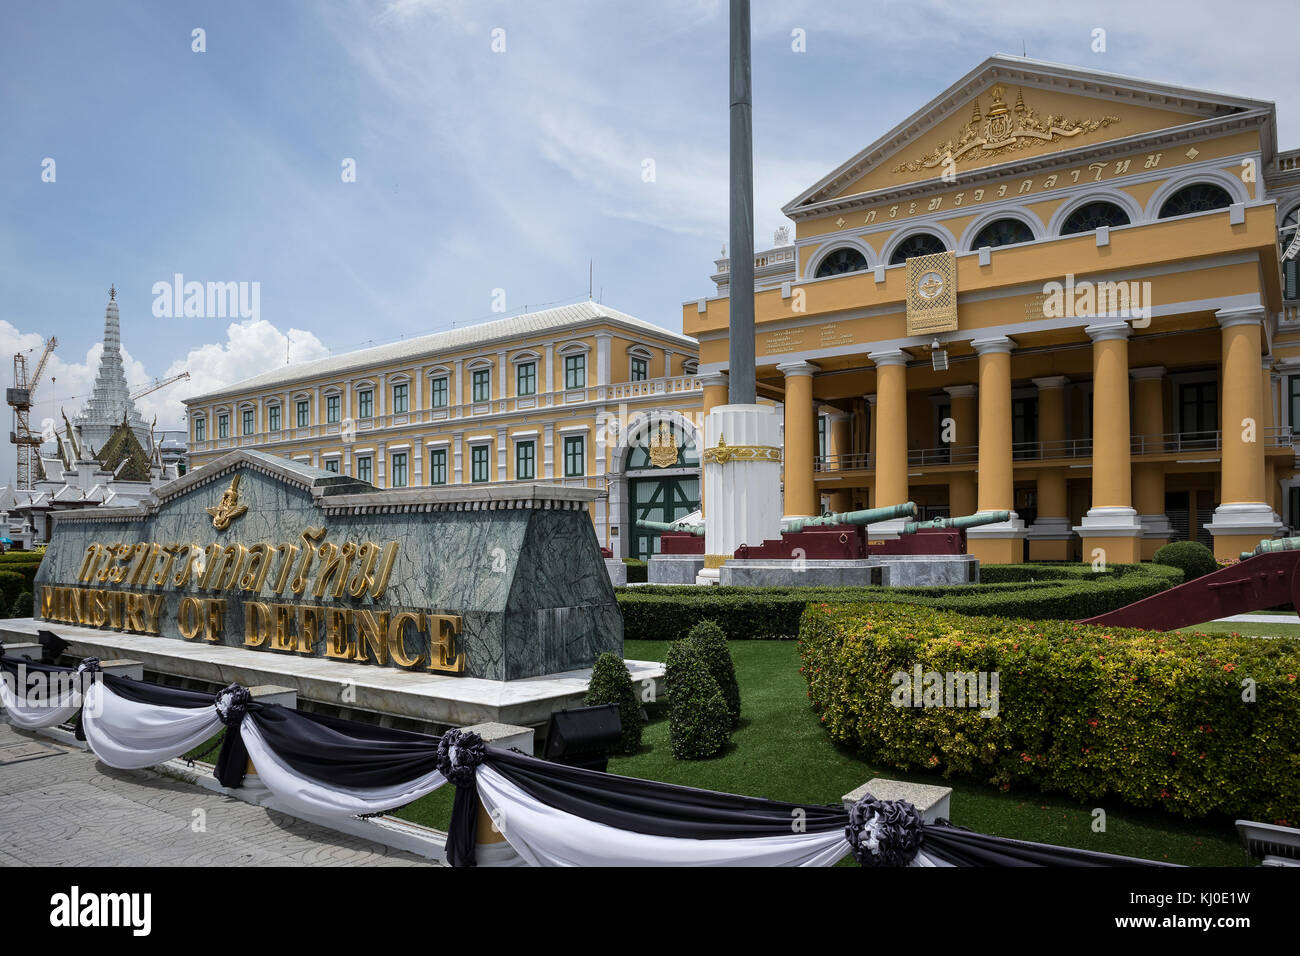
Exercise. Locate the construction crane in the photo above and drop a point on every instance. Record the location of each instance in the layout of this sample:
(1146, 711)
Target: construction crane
(19, 398)
(159, 383)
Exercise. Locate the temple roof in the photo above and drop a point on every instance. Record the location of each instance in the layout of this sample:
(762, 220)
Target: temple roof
(123, 456)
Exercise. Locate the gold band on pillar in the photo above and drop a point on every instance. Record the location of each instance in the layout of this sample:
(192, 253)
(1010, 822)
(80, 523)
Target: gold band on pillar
(800, 439)
(891, 427)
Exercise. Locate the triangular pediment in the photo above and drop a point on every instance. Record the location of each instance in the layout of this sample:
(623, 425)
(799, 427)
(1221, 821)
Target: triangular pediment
(1010, 109)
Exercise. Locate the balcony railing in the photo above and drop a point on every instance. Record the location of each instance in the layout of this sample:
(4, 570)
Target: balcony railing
(1273, 436)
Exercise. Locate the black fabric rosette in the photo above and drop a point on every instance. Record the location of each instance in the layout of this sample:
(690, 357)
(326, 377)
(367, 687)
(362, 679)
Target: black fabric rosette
(459, 754)
(883, 832)
(232, 704)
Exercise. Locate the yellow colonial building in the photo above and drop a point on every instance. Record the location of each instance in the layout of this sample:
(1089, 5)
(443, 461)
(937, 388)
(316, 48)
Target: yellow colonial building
(1053, 291)
(580, 394)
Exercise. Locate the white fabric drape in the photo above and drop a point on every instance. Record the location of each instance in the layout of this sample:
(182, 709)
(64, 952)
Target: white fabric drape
(129, 735)
(545, 836)
(36, 715)
(313, 797)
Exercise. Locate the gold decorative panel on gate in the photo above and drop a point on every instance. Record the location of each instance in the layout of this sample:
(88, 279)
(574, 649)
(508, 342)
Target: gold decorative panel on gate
(932, 293)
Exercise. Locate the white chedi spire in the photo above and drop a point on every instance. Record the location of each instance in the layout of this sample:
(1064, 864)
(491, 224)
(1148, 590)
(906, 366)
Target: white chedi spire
(110, 400)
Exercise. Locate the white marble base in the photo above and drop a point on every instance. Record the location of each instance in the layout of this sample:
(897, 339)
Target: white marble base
(1013, 527)
(1254, 517)
(436, 698)
(1109, 522)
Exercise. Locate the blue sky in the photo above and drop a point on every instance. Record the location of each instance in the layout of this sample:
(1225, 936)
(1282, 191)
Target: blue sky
(475, 170)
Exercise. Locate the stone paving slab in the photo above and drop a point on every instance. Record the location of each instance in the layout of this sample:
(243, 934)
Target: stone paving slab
(68, 809)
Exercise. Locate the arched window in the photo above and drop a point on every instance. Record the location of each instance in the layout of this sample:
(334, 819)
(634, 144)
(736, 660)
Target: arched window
(1290, 267)
(841, 261)
(1002, 232)
(1092, 216)
(1198, 197)
(921, 244)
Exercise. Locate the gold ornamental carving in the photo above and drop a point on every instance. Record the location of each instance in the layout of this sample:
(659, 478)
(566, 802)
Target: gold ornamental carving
(932, 293)
(663, 447)
(725, 453)
(1003, 130)
(229, 508)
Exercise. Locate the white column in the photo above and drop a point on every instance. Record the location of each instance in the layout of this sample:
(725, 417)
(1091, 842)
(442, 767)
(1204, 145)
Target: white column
(743, 497)
(548, 450)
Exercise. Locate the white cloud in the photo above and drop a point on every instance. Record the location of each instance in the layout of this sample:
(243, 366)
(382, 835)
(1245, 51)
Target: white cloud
(251, 348)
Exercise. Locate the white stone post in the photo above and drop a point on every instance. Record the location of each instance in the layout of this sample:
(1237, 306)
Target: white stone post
(742, 482)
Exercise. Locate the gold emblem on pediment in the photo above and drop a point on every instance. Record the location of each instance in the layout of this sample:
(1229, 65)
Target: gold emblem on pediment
(663, 447)
(1004, 129)
(228, 508)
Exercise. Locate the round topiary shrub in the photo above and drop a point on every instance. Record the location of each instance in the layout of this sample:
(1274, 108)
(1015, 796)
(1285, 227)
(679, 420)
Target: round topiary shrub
(699, 724)
(22, 605)
(711, 642)
(612, 684)
(1191, 557)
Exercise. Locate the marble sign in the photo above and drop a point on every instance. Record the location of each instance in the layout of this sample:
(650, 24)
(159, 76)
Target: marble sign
(260, 552)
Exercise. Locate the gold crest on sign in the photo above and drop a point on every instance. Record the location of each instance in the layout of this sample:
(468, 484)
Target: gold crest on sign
(228, 508)
(663, 447)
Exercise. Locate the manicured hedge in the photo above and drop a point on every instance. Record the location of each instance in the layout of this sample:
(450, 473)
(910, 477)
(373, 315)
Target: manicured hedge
(668, 612)
(637, 570)
(612, 684)
(1194, 558)
(1155, 719)
(23, 563)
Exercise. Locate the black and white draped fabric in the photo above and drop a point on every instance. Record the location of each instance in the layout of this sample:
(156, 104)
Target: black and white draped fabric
(36, 696)
(552, 815)
(322, 766)
(131, 724)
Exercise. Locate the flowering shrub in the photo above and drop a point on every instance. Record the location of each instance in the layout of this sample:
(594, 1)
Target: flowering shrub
(1155, 719)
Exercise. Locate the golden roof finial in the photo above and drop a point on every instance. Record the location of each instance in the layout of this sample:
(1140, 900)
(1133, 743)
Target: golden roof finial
(1020, 100)
(998, 108)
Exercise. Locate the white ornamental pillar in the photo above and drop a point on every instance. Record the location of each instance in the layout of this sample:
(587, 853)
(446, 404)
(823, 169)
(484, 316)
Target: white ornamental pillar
(742, 482)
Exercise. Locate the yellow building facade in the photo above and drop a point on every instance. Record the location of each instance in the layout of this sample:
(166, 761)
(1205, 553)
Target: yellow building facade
(576, 395)
(1050, 291)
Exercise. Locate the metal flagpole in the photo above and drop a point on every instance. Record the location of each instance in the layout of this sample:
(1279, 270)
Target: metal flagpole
(741, 384)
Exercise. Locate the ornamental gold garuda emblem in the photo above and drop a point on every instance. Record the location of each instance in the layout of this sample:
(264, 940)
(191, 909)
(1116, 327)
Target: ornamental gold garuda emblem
(1004, 129)
(228, 508)
(663, 447)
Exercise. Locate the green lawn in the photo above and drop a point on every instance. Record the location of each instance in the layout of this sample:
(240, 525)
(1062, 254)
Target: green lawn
(782, 752)
(1248, 629)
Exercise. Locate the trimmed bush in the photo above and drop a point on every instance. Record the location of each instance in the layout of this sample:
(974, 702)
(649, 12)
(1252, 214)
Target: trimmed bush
(711, 642)
(668, 612)
(699, 724)
(1194, 559)
(11, 585)
(611, 683)
(1154, 719)
(22, 605)
(637, 571)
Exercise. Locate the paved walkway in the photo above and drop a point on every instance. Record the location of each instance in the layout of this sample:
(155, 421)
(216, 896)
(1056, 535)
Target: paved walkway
(1260, 618)
(59, 806)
